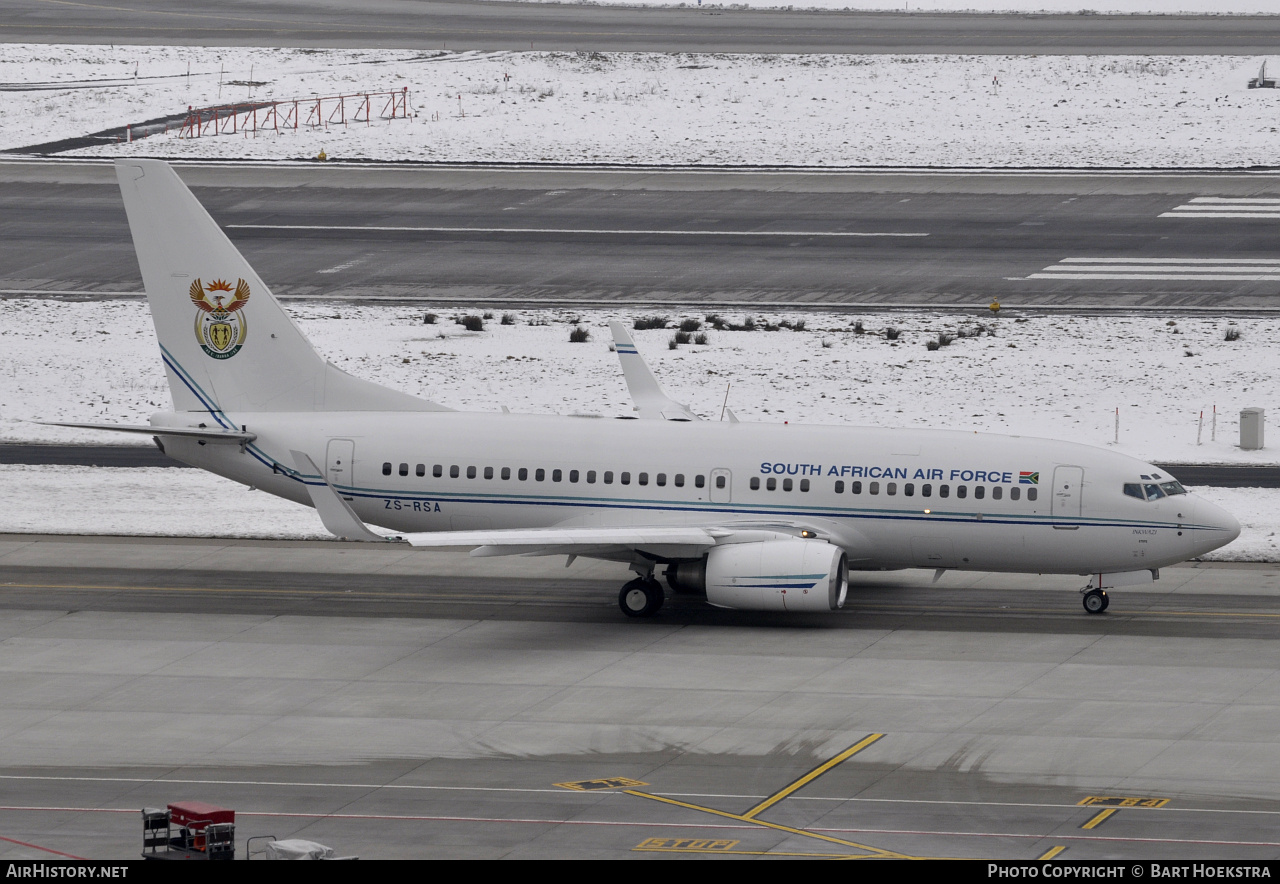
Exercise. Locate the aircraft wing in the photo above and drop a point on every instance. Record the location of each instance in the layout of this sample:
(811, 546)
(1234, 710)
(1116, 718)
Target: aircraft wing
(652, 402)
(668, 541)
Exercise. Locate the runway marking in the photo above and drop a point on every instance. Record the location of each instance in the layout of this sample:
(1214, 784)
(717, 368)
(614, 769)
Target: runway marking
(812, 775)
(806, 833)
(45, 849)
(1052, 852)
(596, 785)
(1226, 207)
(1194, 269)
(568, 230)
(692, 845)
(1121, 801)
(1101, 818)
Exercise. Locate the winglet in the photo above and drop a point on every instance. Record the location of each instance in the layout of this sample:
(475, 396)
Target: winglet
(651, 401)
(336, 513)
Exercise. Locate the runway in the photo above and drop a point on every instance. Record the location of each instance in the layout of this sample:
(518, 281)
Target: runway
(765, 239)
(400, 704)
(470, 24)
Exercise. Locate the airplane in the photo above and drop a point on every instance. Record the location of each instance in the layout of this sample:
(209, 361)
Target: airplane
(751, 516)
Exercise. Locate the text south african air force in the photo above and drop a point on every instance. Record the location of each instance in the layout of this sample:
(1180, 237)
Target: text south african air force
(857, 471)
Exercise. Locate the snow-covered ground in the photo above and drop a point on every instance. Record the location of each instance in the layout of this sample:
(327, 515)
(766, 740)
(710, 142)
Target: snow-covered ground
(192, 503)
(800, 110)
(1055, 376)
(1098, 7)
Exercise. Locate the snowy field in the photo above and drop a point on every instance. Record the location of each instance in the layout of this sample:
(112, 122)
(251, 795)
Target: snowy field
(1098, 7)
(1055, 376)
(798, 110)
(159, 502)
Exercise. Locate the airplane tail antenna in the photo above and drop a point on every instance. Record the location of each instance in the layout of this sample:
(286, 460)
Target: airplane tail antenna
(227, 343)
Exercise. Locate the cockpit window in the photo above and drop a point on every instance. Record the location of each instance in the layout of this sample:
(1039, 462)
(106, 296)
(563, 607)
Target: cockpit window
(1133, 489)
(1153, 492)
(1172, 488)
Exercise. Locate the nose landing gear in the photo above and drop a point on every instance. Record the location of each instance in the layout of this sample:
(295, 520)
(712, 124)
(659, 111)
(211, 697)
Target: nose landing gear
(1096, 601)
(641, 597)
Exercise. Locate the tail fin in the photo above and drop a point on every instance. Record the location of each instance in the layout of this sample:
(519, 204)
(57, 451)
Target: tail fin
(227, 344)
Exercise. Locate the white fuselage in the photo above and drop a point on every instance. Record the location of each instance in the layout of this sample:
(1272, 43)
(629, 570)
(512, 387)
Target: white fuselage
(1009, 504)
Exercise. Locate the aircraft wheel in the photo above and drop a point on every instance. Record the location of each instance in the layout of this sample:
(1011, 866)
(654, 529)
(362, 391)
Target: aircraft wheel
(1096, 601)
(640, 598)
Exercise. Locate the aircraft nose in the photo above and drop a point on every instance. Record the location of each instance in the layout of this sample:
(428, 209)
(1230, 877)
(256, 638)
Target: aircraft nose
(1215, 527)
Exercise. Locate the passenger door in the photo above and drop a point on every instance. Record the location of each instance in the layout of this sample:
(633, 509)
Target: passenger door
(1067, 483)
(338, 461)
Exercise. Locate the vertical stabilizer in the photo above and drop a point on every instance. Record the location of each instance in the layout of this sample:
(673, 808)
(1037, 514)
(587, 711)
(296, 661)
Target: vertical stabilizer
(227, 344)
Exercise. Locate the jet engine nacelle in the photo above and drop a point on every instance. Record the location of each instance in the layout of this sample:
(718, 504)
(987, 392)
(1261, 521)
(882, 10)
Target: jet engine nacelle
(775, 575)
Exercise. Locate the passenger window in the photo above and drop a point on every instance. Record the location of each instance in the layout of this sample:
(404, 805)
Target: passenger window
(755, 483)
(979, 492)
(1032, 493)
(540, 474)
(926, 490)
(556, 475)
(404, 469)
(573, 475)
(625, 478)
(591, 477)
(997, 493)
(437, 471)
(488, 472)
(386, 469)
(1015, 493)
(891, 488)
(523, 475)
(771, 484)
(471, 472)
(839, 486)
(608, 477)
(804, 484)
(661, 479)
(720, 481)
(642, 479)
(855, 487)
(909, 490)
(1133, 489)
(679, 480)
(786, 484)
(699, 481)
(1153, 491)
(962, 491)
(944, 490)
(453, 471)
(873, 487)
(506, 472)
(420, 470)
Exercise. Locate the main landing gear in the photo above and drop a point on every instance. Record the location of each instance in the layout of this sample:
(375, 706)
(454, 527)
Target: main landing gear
(641, 597)
(1096, 601)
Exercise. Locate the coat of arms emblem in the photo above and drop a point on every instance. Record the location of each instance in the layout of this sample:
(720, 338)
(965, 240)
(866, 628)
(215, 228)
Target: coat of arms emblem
(220, 325)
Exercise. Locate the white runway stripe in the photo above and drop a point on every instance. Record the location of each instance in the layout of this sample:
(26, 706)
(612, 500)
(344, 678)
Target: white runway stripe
(574, 230)
(1195, 269)
(1227, 207)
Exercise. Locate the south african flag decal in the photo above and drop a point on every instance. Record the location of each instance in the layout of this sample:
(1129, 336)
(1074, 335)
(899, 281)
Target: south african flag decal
(1025, 478)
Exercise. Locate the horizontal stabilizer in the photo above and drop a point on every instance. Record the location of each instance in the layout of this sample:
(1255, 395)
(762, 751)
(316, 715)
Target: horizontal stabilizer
(212, 434)
(651, 401)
